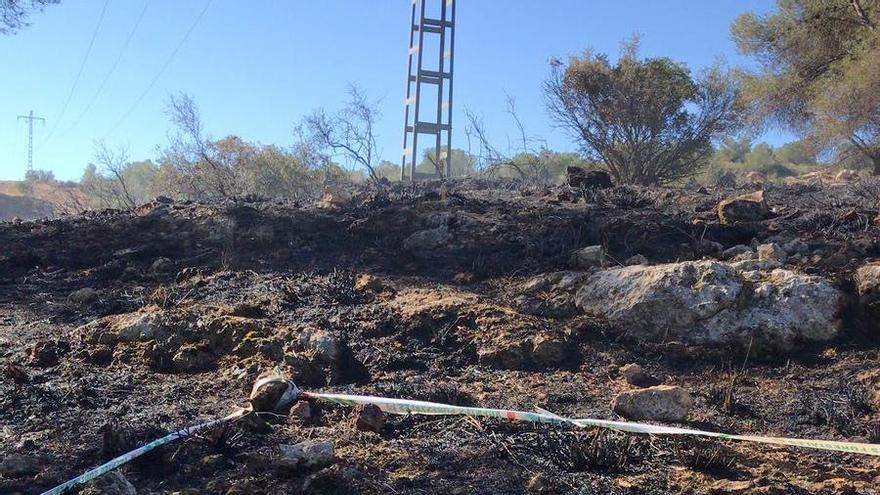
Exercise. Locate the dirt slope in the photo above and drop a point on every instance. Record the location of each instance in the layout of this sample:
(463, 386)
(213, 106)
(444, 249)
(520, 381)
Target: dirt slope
(185, 304)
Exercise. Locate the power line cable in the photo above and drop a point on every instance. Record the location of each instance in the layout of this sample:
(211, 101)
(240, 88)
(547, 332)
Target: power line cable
(161, 70)
(82, 66)
(113, 68)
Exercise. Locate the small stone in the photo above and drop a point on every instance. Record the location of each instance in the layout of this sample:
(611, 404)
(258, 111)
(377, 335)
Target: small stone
(749, 256)
(867, 279)
(85, 295)
(193, 358)
(48, 353)
(710, 247)
(733, 252)
(112, 483)
(301, 411)
(539, 283)
(245, 488)
(636, 376)
(588, 257)
(19, 466)
(100, 355)
(365, 281)
(755, 265)
(308, 454)
(549, 351)
(324, 344)
(163, 266)
(539, 483)
(267, 397)
(796, 246)
(636, 260)
(139, 327)
(772, 252)
(369, 417)
(661, 403)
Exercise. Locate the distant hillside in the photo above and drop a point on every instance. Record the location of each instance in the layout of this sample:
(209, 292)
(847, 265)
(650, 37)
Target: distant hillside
(30, 200)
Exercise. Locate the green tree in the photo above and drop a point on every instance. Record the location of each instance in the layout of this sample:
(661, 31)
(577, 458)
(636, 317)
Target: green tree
(796, 152)
(734, 149)
(646, 119)
(760, 157)
(819, 71)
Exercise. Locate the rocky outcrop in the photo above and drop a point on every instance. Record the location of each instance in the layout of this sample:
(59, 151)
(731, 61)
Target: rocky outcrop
(709, 302)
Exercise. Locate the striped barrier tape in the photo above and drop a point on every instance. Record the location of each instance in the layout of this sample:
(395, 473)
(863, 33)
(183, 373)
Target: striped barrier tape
(407, 407)
(402, 406)
(129, 456)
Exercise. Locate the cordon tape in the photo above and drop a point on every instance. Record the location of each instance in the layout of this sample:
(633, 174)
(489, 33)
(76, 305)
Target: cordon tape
(406, 407)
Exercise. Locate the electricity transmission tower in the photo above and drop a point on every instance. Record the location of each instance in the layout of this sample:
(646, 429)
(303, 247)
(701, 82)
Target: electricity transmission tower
(30, 118)
(429, 81)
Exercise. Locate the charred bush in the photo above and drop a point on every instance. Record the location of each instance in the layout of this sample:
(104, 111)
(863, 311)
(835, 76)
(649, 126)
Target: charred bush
(867, 191)
(598, 450)
(619, 197)
(703, 455)
(340, 288)
(843, 410)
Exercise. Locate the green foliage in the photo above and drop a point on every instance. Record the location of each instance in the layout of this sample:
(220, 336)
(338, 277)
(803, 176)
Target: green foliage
(820, 71)
(734, 149)
(543, 167)
(194, 166)
(461, 163)
(789, 160)
(647, 120)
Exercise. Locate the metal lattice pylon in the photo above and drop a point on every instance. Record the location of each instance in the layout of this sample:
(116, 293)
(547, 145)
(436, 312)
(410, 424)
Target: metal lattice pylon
(429, 88)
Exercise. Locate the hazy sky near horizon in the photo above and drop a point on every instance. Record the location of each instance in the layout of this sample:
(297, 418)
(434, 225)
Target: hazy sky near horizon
(256, 68)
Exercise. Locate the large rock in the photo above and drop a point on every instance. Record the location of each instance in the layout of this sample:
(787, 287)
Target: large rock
(660, 403)
(709, 302)
(746, 208)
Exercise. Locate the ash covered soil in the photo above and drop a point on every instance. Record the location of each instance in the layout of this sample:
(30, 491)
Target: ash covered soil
(120, 326)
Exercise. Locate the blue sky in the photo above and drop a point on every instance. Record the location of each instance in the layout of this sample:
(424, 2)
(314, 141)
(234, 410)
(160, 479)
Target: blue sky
(256, 68)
